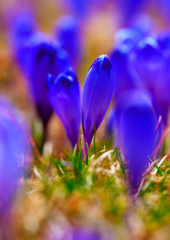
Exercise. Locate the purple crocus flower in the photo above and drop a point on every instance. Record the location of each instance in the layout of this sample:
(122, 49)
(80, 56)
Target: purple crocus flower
(64, 96)
(130, 8)
(136, 123)
(124, 79)
(68, 36)
(14, 152)
(82, 8)
(150, 66)
(97, 95)
(21, 27)
(43, 57)
(79, 7)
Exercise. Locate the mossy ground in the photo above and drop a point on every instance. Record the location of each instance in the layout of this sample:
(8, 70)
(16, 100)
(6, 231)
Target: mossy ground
(94, 194)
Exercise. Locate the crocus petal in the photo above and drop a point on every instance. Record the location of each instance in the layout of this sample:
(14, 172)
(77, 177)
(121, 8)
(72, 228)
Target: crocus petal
(68, 35)
(14, 152)
(64, 96)
(44, 58)
(97, 94)
(136, 123)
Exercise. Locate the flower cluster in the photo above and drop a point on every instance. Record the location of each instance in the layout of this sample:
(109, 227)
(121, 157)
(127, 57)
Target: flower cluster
(141, 97)
(135, 75)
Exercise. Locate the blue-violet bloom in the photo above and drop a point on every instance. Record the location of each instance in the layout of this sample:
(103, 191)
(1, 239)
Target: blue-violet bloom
(135, 128)
(44, 57)
(124, 76)
(96, 96)
(64, 96)
(151, 67)
(14, 152)
(68, 35)
(21, 28)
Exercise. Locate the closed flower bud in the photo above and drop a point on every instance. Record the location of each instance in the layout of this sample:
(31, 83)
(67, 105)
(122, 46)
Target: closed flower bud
(97, 95)
(64, 96)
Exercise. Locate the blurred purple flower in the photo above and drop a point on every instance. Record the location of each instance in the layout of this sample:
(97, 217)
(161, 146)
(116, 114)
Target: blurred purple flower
(135, 128)
(21, 27)
(129, 36)
(14, 152)
(124, 76)
(64, 96)
(43, 57)
(86, 234)
(68, 35)
(129, 8)
(151, 68)
(82, 8)
(97, 95)
(62, 232)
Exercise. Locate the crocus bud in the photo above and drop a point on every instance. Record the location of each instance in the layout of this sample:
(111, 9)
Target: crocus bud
(68, 35)
(64, 96)
(44, 58)
(97, 95)
(136, 123)
(14, 152)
